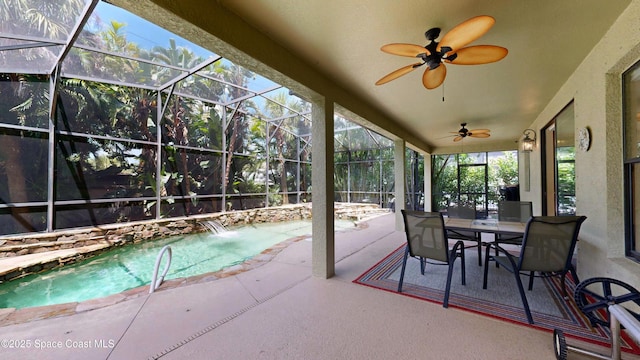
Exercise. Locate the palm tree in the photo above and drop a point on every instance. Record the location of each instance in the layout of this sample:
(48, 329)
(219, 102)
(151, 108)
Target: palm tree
(236, 136)
(177, 124)
(280, 139)
(44, 19)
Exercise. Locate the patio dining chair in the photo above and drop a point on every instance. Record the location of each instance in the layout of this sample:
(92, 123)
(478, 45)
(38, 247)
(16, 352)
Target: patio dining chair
(465, 212)
(547, 248)
(515, 211)
(427, 239)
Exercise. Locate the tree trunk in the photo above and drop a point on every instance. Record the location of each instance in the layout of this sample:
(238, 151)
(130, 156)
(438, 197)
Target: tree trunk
(232, 146)
(283, 170)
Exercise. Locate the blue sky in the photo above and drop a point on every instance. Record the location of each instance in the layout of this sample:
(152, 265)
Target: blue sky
(147, 35)
(143, 32)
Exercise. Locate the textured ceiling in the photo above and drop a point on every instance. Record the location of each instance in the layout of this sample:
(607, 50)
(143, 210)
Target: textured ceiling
(546, 40)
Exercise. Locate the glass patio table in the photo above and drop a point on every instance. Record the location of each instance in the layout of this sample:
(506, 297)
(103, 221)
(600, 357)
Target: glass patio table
(479, 226)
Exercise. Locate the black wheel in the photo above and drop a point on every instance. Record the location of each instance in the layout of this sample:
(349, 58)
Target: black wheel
(593, 297)
(559, 344)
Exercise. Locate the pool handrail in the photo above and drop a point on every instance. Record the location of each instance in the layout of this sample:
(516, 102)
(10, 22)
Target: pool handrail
(619, 315)
(155, 282)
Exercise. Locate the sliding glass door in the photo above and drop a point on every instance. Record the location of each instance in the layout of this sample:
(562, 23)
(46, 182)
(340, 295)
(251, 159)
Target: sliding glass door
(558, 164)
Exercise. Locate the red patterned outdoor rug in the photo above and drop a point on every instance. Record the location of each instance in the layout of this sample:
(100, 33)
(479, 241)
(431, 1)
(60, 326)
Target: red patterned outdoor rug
(500, 300)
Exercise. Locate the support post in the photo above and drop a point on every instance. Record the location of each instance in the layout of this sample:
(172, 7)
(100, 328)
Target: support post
(160, 107)
(427, 183)
(399, 174)
(54, 88)
(322, 193)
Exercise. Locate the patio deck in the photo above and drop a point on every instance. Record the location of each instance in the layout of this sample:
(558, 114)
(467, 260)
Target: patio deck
(279, 311)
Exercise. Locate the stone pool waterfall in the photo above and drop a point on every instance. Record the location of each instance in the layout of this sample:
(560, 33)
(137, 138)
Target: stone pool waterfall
(213, 226)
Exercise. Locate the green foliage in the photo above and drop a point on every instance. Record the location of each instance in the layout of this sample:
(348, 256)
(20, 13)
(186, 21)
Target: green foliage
(461, 178)
(566, 180)
(504, 169)
(444, 173)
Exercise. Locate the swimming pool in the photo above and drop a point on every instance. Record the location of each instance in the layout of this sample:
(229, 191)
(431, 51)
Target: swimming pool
(132, 265)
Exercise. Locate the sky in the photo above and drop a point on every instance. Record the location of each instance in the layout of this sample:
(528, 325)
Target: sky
(145, 33)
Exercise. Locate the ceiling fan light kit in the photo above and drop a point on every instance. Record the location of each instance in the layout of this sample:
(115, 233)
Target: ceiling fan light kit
(450, 49)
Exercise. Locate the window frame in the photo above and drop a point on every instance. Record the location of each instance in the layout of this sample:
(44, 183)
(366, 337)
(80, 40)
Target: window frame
(630, 163)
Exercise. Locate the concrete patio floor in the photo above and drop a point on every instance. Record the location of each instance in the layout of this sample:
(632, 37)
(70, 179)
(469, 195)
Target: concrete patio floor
(280, 311)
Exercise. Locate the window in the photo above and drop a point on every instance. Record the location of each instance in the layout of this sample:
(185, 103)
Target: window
(631, 93)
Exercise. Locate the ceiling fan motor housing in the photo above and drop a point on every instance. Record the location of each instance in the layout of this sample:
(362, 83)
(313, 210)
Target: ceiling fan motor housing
(435, 57)
(463, 131)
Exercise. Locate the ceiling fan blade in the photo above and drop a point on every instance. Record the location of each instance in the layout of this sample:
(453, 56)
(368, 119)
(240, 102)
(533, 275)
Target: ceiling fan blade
(431, 79)
(475, 131)
(396, 74)
(480, 54)
(479, 135)
(467, 31)
(409, 50)
(457, 138)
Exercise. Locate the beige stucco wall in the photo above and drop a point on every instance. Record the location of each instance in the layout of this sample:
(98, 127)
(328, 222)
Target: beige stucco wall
(595, 87)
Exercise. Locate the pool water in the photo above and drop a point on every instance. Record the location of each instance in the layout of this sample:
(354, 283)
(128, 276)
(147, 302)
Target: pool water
(132, 265)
